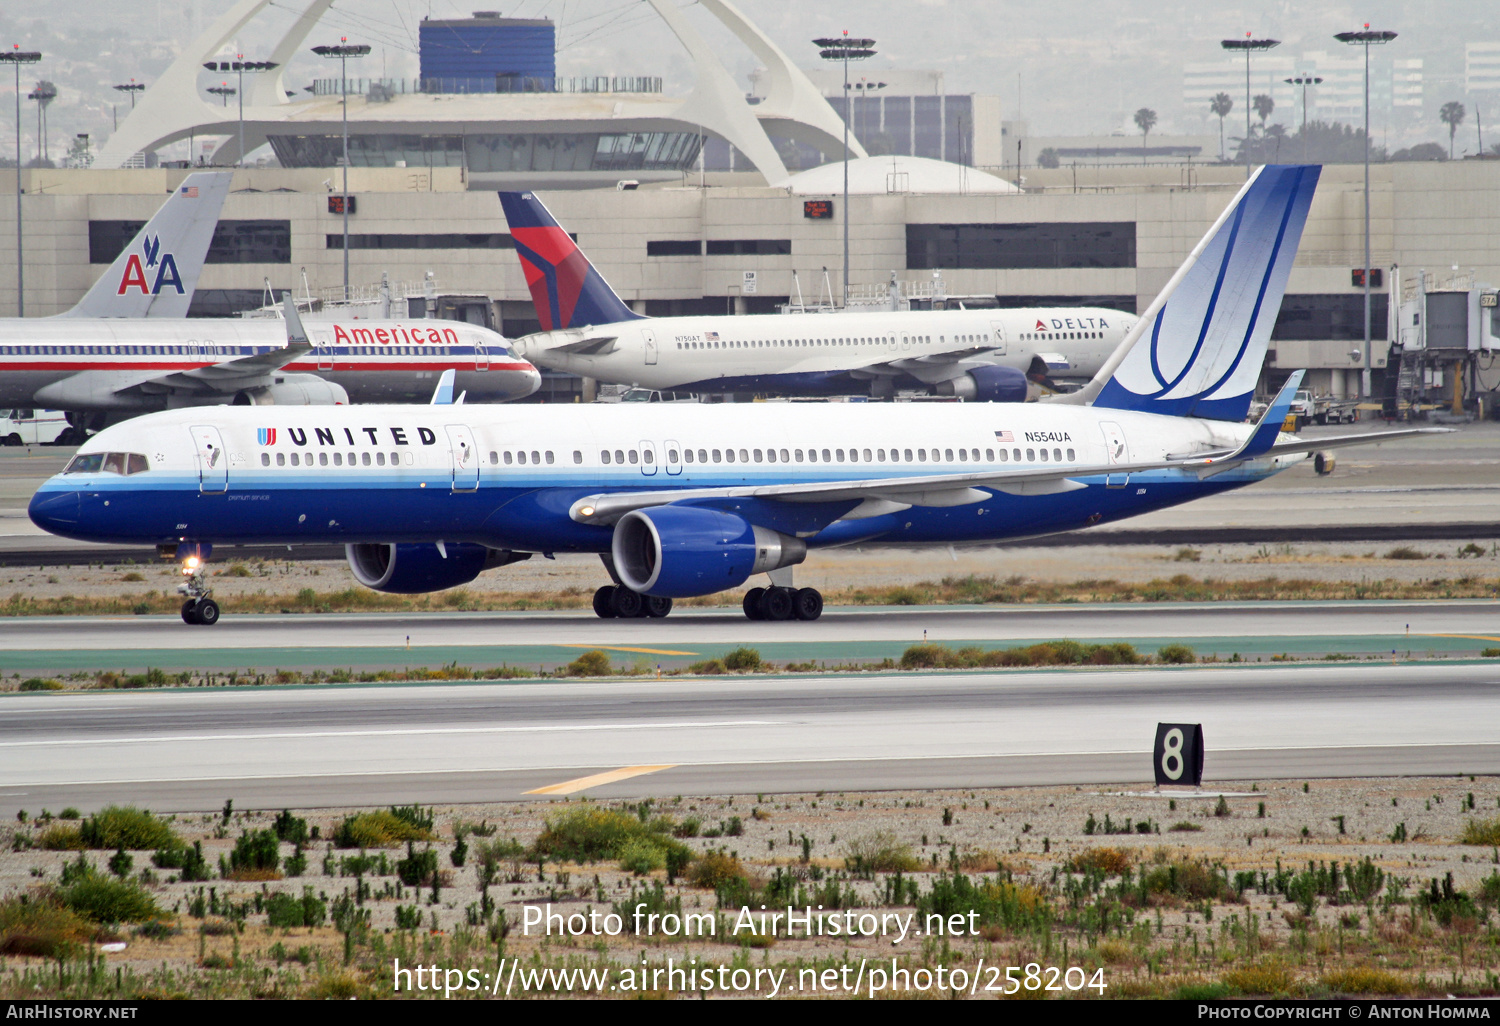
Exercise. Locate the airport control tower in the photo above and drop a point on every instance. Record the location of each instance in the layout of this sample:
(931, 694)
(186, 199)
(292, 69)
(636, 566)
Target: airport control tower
(488, 54)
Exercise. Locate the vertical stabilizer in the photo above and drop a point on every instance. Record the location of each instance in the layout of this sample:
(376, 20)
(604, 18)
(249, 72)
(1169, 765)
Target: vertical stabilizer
(156, 274)
(566, 289)
(1197, 350)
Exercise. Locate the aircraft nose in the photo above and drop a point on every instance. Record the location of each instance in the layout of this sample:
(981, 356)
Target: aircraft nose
(55, 511)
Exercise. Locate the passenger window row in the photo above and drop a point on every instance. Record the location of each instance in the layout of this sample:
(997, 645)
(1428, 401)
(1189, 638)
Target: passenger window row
(360, 459)
(519, 457)
(934, 455)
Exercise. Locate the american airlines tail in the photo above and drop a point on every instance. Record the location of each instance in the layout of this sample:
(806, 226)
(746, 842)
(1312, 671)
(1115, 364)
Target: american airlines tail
(566, 289)
(1198, 348)
(156, 274)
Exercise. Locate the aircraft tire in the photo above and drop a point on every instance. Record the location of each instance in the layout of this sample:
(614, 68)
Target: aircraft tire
(752, 603)
(656, 608)
(627, 604)
(190, 612)
(207, 612)
(604, 602)
(776, 604)
(807, 604)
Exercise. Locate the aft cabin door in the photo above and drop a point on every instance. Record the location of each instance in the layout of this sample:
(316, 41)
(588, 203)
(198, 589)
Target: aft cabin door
(465, 458)
(1117, 452)
(648, 458)
(997, 337)
(648, 341)
(213, 461)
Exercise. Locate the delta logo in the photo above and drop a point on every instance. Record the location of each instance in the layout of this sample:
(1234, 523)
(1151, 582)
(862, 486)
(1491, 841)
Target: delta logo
(135, 272)
(1071, 324)
(265, 436)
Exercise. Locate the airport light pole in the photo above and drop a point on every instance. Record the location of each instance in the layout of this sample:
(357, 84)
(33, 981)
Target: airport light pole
(1304, 81)
(132, 87)
(343, 52)
(226, 91)
(44, 93)
(842, 48)
(1365, 37)
(17, 57)
(239, 66)
(1249, 46)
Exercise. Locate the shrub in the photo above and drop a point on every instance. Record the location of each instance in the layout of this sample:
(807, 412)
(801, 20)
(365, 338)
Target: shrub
(256, 856)
(189, 860)
(104, 900)
(924, 657)
(1366, 980)
(69, 813)
(640, 856)
(1177, 654)
(32, 925)
(285, 910)
(1405, 552)
(592, 663)
(714, 869)
(879, 852)
(408, 917)
(1490, 653)
(742, 659)
(1185, 879)
(1109, 861)
(995, 902)
(38, 684)
(711, 667)
(289, 828)
(419, 867)
(589, 833)
(379, 829)
(1481, 831)
(124, 826)
(1262, 978)
(1186, 826)
(59, 837)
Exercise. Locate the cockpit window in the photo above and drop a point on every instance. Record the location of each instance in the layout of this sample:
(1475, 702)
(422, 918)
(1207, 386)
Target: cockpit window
(122, 463)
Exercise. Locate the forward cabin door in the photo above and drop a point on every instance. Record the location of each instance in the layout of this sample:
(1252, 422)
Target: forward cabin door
(465, 458)
(481, 355)
(674, 457)
(648, 458)
(648, 341)
(1117, 451)
(213, 461)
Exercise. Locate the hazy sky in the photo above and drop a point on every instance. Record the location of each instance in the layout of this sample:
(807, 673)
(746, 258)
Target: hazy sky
(1075, 66)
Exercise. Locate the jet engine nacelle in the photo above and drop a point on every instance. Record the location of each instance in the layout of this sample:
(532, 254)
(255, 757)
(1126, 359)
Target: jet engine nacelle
(682, 551)
(987, 385)
(413, 569)
(293, 390)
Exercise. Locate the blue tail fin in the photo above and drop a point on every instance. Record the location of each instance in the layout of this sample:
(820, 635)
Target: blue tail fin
(1197, 350)
(565, 288)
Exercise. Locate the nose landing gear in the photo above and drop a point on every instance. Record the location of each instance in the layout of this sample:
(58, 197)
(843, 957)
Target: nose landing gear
(200, 609)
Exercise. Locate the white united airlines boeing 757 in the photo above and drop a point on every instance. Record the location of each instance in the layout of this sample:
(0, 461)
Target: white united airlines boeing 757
(988, 355)
(128, 346)
(684, 500)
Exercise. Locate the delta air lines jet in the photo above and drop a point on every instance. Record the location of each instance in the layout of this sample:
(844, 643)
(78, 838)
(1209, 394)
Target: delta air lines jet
(685, 500)
(987, 355)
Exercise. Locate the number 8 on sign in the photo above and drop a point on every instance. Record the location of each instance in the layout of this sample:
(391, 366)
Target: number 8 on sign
(1178, 756)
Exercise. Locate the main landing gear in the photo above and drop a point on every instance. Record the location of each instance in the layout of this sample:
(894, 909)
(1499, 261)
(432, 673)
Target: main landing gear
(618, 602)
(200, 609)
(777, 603)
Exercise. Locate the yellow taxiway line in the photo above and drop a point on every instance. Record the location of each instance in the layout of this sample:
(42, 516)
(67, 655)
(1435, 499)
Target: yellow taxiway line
(610, 777)
(629, 648)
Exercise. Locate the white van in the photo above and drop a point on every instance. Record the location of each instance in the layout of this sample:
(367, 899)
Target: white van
(32, 427)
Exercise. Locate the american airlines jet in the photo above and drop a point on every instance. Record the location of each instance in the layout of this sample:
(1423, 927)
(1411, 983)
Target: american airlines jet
(686, 500)
(128, 347)
(985, 355)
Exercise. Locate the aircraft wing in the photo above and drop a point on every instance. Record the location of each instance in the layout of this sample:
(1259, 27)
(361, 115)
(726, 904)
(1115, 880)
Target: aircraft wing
(575, 342)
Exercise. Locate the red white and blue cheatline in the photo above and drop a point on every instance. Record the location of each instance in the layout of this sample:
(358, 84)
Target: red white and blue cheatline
(266, 436)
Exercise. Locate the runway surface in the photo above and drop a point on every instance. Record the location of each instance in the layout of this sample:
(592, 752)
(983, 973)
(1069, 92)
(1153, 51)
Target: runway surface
(366, 745)
(483, 640)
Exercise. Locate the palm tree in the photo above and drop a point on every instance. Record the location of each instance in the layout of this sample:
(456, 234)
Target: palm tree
(1221, 105)
(1278, 133)
(1452, 115)
(1145, 119)
(1263, 105)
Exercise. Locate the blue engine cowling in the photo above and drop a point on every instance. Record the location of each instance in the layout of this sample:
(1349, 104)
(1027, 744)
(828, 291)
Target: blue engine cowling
(414, 569)
(682, 551)
(989, 384)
